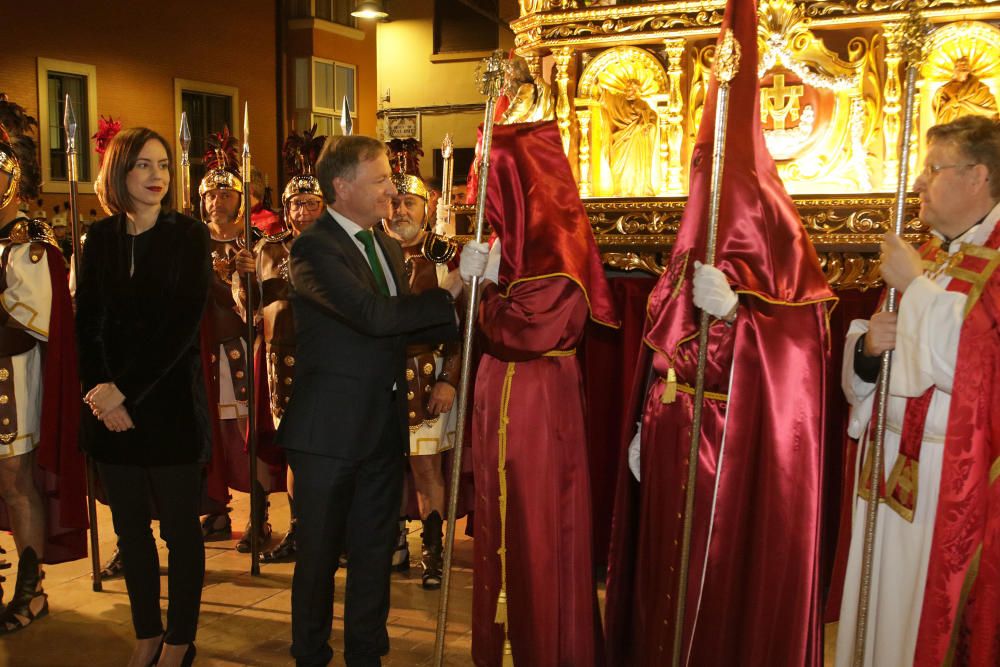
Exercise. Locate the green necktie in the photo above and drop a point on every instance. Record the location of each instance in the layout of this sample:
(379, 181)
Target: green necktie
(367, 237)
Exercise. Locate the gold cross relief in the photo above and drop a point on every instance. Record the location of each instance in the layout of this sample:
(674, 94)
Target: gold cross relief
(780, 102)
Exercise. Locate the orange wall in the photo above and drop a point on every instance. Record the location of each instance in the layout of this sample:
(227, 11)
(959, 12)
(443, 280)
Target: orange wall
(304, 42)
(139, 49)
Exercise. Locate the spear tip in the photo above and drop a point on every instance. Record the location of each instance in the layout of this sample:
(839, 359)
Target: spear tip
(185, 132)
(69, 118)
(246, 126)
(346, 122)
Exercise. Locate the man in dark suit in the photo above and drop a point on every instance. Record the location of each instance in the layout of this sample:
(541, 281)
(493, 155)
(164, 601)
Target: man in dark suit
(344, 431)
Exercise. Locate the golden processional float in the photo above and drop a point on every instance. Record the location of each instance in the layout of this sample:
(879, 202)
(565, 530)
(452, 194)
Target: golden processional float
(629, 83)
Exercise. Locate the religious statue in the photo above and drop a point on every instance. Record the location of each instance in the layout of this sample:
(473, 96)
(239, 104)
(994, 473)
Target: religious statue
(963, 95)
(530, 99)
(633, 139)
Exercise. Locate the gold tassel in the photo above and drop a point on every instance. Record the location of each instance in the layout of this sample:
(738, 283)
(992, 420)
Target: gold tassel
(670, 390)
(501, 616)
(508, 654)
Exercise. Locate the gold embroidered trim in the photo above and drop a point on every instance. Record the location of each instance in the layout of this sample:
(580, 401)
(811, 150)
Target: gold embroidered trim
(906, 478)
(711, 395)
(995, 470)
(970, 579)
(501, 612)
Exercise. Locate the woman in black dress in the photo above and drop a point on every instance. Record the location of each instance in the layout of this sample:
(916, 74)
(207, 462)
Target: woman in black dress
(143, 282)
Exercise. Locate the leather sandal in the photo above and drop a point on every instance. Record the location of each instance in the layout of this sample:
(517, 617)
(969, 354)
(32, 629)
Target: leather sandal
(114, 567)
(29, 602)
(243, 546)
(285, 551)
(211, 529)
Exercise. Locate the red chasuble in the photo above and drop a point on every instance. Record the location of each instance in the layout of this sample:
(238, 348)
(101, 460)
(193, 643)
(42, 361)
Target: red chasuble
(533, 573)
(60, 468)
(960, 620)
(753, 593)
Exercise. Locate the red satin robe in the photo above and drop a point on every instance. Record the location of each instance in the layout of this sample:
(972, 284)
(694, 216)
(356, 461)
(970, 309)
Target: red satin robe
(552, 603)
(754, 599)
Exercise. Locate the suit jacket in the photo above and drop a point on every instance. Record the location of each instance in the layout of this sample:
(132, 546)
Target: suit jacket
(351, 343)
(141, 332)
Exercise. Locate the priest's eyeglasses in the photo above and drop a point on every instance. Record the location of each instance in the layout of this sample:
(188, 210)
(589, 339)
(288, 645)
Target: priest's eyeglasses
(311, 205)
(932, 170)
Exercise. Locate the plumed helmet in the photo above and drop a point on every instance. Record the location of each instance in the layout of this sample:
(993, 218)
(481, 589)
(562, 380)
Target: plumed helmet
(300, 153)
(18, 153)
(404, 158)
(222, 164)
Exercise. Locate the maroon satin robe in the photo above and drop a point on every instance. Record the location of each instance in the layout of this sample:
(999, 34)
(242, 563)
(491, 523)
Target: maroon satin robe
(552, 603)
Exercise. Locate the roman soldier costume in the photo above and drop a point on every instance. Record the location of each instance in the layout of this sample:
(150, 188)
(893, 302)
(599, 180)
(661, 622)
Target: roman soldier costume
(223, 335)
(426, 364)
(278, 362)
(39, 383)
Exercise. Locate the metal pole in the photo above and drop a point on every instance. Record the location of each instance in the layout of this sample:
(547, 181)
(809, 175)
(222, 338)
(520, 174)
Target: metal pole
(185, 139)
(491, 84)
(914, 29)
(255, 501)
(726, 67)
(70, 127)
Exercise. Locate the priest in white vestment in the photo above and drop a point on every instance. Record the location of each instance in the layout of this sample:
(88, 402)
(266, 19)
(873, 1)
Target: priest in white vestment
(959, 190)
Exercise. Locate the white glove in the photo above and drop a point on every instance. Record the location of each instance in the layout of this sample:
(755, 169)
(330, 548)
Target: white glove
(493, 264)
(633, 453)
(712, 292)
(473, 261)
(442, 217)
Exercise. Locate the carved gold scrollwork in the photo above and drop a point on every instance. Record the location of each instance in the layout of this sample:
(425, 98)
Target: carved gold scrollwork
(650, 262)
(850, 270)
(838, 7)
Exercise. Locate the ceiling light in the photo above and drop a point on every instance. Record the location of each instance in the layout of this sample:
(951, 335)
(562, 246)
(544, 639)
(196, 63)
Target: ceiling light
(370, 9)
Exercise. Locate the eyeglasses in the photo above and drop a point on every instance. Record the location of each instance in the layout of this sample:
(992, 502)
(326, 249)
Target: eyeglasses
(311, 205)
(931, 170)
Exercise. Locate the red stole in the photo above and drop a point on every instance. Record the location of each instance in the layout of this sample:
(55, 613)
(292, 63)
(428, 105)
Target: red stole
(960, 619)
(967, 267)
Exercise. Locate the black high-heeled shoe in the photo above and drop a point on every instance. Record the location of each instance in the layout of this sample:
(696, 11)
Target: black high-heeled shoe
(189, 655)
(159, 651)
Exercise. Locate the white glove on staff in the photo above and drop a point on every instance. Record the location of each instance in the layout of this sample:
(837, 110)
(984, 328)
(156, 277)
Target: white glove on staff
(633, 453)
(712, 292)
(493, 263)
(473, 260)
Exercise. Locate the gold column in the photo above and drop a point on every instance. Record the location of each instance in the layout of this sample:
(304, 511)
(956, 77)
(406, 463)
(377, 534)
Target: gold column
(674, 118)
(663, 150)
(583, 116)
(564, 108)
(892, 96)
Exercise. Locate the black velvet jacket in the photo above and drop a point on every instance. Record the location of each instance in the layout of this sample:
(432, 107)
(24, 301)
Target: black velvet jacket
(141, 332)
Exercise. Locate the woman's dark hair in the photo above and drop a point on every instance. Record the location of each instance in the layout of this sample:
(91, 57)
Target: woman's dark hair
(119, 160)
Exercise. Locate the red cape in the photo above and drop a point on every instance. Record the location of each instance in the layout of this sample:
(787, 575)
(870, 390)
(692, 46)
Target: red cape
(960, 620)
(60, 474)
